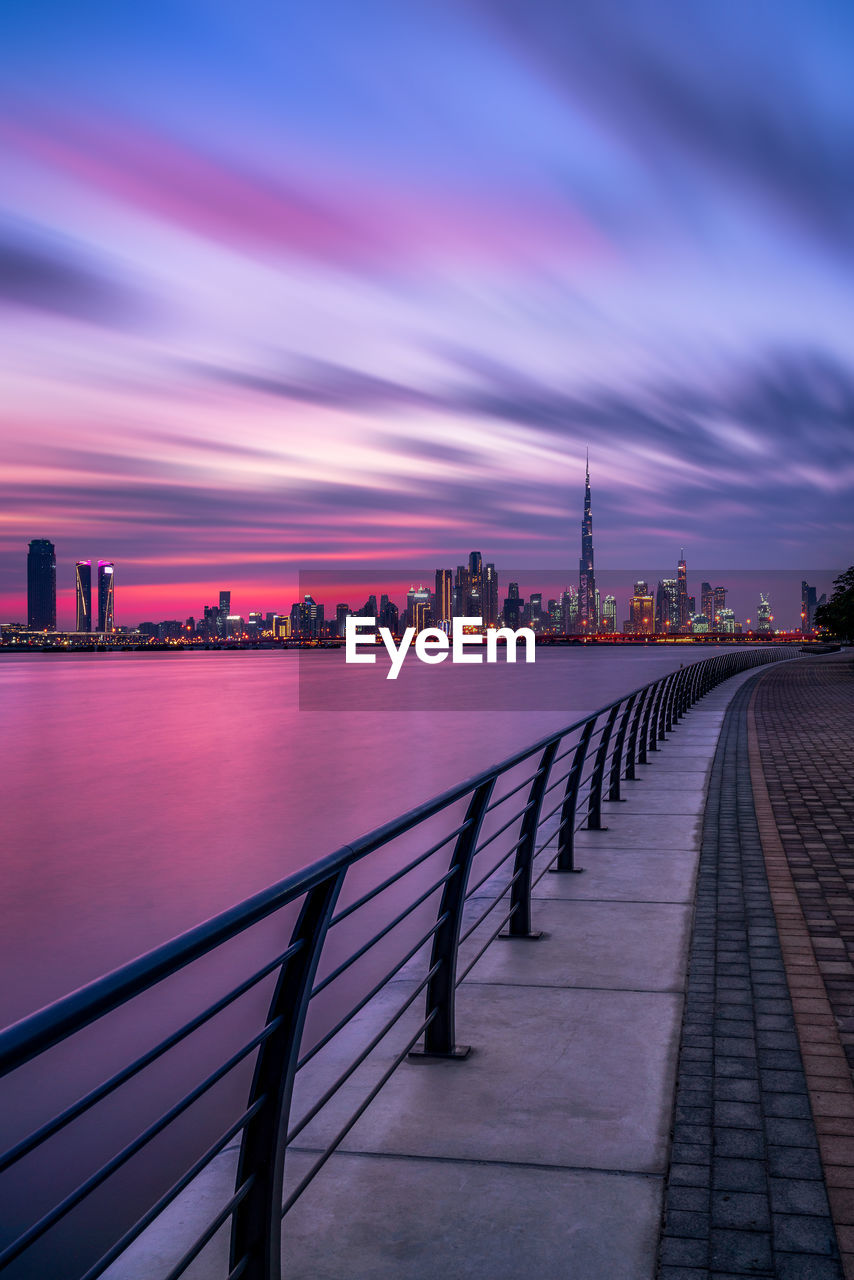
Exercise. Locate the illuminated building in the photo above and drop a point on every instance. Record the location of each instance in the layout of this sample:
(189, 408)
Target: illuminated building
(667, 606)
(707, 603)
(389, 615)
(83, 594)
(513, 607)
(41, 585)
(726, 621)
(224, 611)
(568, 610)
(609, 615)
(462, 587)
(535, 609)
(682, 592)
(342, 612)
(763, 613)
(642, 610)
(444, 595)
(720, 603)
(699, 624)
(233, 626)
(807, 606)
(490, 596)
(418, 608)
(281, 627)
(474, 608)
(587, 618)
(106, 595)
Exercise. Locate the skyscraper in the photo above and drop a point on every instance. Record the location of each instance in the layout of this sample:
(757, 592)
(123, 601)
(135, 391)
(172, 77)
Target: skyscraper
(41, 585)
(808, 603)
(667, 606)
(106, 595)
(586, 580)
(224, 611)
(490, 596)
(707, 603)
(83, 594)
(763, 613)
(444, 594)
(720, 604)
(682, 592)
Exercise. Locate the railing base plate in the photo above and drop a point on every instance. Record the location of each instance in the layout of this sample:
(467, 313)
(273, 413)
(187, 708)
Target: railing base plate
(520, 937)
(565, 871)
(422, 1056)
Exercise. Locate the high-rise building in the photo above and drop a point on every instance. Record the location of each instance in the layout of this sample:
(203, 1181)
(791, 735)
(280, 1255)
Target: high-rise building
(224, 611)
(720, 605)
(682, 590)
(535, 610)
(587, 619)
(490, 596)
(418, 608)
(568, 610)
(462, 591)
(763, 613)
(105, 595)
(667, 606)
(83, 594)
(342, 612)
(707, 603)
(514, 607)
(41, 585)
(807, 606)
(444, 595)
(642, 610)
(608, 621)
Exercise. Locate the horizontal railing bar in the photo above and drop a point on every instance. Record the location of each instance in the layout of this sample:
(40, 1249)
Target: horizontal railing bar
(95, 1180)
(493, 904)
(500, 832)
(398, 875)
(103, 1090)
(360, 1057)
(210, 1231)
(491, 872)
(134, 1232)
(342, 1134)
(378, 986)
(378, 937)
(489, 940)
(508, 794)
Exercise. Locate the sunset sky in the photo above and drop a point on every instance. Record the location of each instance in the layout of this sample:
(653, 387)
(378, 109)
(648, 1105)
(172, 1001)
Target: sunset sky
(303, 285)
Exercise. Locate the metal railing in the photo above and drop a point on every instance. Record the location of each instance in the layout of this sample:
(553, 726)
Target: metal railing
(421, 897)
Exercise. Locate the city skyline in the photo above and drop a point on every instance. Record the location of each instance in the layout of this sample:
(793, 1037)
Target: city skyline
(281, 314)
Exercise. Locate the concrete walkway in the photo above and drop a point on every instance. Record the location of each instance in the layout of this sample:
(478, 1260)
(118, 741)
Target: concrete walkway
(546, 1151)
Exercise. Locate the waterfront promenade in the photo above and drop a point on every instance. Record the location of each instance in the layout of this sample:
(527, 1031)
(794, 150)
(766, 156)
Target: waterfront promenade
(658, 1085)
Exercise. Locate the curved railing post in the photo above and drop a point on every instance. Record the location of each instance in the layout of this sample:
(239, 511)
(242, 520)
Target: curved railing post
(594, 800)
(256, 1230)
(667, 710)
(440, 1033)
(566, 830)
(523, 867)
(632, 754)
(656, 720)
(617, 756)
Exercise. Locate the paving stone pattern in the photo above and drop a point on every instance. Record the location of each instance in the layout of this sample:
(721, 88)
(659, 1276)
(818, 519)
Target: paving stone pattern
(805, 727)
(746, 1192)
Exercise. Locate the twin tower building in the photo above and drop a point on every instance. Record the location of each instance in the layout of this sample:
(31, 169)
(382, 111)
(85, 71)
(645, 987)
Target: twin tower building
(41, 590)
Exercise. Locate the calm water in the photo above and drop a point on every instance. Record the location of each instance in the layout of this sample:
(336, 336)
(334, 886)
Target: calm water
(143, 793)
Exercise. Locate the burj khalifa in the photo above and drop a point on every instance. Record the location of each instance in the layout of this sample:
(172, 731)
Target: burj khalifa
(588, 622)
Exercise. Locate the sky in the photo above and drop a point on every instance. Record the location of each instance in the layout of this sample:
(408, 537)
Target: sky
(290, 286)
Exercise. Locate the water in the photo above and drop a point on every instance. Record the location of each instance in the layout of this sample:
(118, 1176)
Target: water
(144, 793)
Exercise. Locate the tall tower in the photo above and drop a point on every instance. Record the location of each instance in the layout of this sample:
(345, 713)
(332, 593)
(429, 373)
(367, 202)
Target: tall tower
(587, 619)
(682, 588)
(41, 585)
(83, 594)
(106, 595)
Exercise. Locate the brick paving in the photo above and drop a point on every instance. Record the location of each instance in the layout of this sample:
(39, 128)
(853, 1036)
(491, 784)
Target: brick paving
(746, 1192)
(801, 733)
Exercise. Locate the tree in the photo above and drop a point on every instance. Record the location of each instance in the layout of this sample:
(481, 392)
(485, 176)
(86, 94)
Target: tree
(837, 616)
